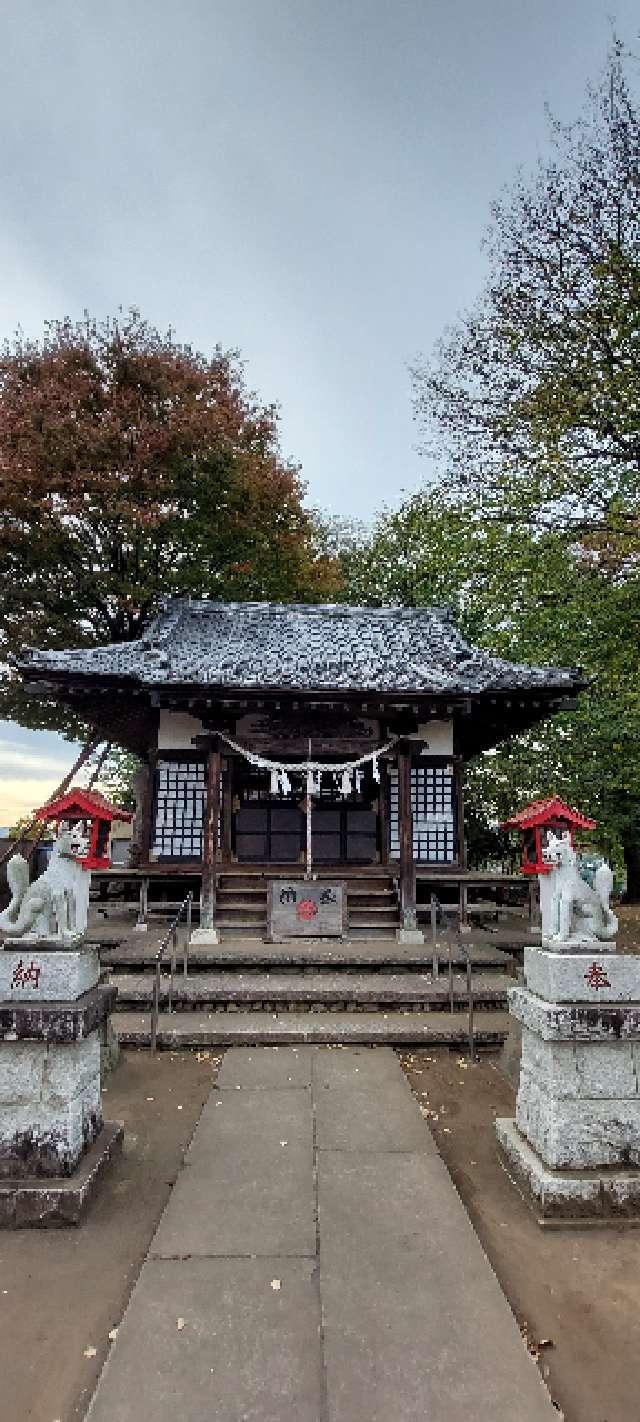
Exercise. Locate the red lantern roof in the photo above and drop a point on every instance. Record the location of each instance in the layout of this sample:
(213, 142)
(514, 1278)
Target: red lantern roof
(79, 804)
(548, 812)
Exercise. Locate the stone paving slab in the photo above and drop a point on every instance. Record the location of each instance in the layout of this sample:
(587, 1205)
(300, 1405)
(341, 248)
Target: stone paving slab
(375, 1118)
(392, 1315)
(361, 1104)
(246, 1350)
(415, 1324)
(262, 1068)
(247, 1185)
(362, 1066)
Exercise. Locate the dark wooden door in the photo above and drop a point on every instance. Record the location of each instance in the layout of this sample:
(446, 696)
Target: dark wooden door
(268, 833)
(344, 835)
(273, 831)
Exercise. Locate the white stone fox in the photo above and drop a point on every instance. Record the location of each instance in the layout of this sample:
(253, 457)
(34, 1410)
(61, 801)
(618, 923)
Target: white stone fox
(572, 911)
(56, 905)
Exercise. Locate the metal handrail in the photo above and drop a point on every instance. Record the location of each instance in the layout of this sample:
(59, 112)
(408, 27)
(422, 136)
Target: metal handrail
(171, 937)
(435, 969)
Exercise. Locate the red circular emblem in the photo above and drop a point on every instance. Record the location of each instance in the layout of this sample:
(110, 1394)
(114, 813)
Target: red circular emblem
(307, 909)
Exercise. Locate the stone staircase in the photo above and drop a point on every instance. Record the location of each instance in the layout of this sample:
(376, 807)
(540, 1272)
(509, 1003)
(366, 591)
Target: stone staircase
(370, 989)
(372, 905)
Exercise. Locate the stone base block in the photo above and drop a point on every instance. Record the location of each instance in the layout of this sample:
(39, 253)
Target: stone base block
(580, 945)
(582, 1071)
(43, 1204)
(578, 1134)
(559, 1197)
(30, 974)
(109, 1048)
(578, 977)
(511, 1053)
(575, 1021)
(204, 938)
(409, 935)
(56, 1021)
(50, 1109)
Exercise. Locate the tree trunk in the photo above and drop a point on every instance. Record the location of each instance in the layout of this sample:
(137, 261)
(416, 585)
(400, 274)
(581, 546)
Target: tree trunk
(631, 849)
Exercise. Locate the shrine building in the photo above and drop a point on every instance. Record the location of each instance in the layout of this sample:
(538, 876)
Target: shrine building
(330, 737)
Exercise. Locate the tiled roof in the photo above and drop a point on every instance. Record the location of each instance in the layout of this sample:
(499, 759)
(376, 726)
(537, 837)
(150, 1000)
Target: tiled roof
(329, 647)
(541, 811)
(93, 802)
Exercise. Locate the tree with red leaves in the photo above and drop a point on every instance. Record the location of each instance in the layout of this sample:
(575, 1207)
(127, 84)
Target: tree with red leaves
(131, 468)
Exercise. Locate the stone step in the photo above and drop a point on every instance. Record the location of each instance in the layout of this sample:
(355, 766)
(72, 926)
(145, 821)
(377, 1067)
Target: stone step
(255, 904)
(383, 913)
(327, 988)
(243, 916)
(220, 1029)
(232, 894)
(384, 954)
(375, 896)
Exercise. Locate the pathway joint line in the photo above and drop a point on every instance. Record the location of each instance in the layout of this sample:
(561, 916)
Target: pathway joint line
(324, 1394)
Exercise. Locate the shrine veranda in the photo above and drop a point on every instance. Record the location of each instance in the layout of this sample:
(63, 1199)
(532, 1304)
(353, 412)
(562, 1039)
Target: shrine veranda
(237, 710)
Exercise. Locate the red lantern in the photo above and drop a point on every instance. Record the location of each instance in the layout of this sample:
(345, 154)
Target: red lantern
(88, 806)
(535, 822)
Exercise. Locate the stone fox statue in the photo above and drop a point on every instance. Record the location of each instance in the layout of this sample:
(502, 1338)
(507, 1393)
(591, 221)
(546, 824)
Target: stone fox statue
(56, 904)
(573, 910)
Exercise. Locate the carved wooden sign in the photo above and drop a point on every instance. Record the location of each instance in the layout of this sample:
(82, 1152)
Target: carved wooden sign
(273, 734)
(306, 909)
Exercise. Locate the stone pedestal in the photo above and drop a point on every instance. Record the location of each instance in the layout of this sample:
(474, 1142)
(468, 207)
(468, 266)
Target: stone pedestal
(204, 938)
(52, 1015)
(575, 1140)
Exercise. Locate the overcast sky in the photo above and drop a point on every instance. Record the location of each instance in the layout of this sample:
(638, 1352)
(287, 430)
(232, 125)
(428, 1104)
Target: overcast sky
(307, 180)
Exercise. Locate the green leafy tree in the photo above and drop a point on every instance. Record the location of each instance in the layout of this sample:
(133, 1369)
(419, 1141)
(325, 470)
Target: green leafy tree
(533, 596)
(117, 776)
(531, 405)
(532, 399)
(132, 468)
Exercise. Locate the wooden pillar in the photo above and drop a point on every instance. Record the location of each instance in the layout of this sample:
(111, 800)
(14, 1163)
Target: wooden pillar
(458, 767)
(143, 819)
(210, 849)
(143, 908)
(383, 812)
(227, 810)
(408, 918)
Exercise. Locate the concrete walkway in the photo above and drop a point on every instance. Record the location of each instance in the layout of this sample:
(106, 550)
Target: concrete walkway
(314, 1264)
